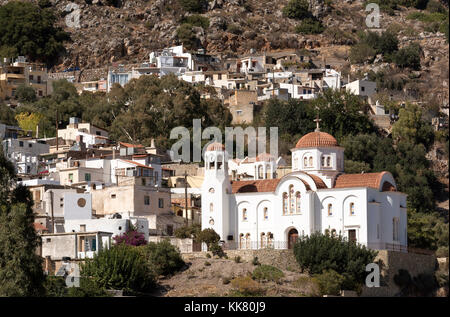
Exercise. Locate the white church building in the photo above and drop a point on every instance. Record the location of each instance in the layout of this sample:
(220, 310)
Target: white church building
(315, 196)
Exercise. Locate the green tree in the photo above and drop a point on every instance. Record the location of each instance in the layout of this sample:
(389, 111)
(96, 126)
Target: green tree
(310, 26)
(7, 115)
(21, 271)
(25, 94)
(208, 236)
(411, 127)
(28, 30)
(342, 114)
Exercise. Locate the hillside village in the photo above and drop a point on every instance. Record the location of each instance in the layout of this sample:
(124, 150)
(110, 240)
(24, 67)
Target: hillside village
(91, 185)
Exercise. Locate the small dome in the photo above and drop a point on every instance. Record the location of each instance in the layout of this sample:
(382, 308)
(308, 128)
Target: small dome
(215, 146)
(316, 139)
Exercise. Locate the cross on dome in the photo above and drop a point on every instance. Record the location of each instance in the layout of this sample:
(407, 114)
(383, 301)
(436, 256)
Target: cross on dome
(317, 120)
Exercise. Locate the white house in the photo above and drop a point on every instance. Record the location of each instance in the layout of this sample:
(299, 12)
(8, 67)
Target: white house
(24, 153)
(315, 196)
(362, 87)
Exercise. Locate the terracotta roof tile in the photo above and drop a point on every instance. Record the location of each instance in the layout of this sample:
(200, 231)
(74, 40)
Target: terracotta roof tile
(38, 227)
(255, 186)
(318, 181)
(362, 180)
(130, 145)
(316, 139)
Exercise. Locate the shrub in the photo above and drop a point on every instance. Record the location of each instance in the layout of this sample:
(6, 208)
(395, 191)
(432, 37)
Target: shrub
(120, 267)
(310, 26)
(408, 56)
(208, 255)
(318, 253)
(163, 257)
(234, 28)
(255, 261)
(55, 286)
(421, 285)
(131, 237)
(297, 9)
(237, 259)
(246, 286)
(88, 288)
(193, 5)
(308, 285)
(329, 282)
(197, 20)
(216, 249)
(186, 35)
(207, 263)
(361, 53)
(267, 273)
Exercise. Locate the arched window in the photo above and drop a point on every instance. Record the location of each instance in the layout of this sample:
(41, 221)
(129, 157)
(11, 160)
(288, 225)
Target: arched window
(323, 160)
(285, 203)
(244, 214)
(248, 241)
(297, 202)
(266, 213)
(263, 240)
(328, 161)
(241, 241)
(310, 161)
(291, 199)
(269, 239)
(305, 161)
(211, 207)
(330, 209)
(333, 232)
(352, 209)
(211, 221)
(211, 190)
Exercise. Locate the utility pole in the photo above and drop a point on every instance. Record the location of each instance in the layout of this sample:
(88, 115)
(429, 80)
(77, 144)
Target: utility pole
(185, 197)
(56, 126)
(51, 208)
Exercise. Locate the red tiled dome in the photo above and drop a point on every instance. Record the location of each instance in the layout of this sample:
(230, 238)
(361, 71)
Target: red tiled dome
(316, 139)
(216, 146)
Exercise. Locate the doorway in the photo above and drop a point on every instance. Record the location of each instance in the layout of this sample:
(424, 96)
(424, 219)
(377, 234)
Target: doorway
(292, 237)
(352, 235)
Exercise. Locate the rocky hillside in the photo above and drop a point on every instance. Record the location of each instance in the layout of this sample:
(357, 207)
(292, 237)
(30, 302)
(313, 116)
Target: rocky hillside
(129, 32)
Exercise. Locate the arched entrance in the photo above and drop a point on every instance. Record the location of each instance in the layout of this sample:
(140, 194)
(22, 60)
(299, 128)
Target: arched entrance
(292, 237)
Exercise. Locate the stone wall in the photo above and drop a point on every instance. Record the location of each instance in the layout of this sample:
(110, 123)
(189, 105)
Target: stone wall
(393, 261)
(283, 259)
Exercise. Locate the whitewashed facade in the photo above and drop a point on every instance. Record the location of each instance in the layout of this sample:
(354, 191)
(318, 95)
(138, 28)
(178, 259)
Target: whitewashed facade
(316, 196)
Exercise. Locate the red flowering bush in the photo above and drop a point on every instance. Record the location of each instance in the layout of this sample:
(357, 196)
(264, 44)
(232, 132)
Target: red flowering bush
(132, 237)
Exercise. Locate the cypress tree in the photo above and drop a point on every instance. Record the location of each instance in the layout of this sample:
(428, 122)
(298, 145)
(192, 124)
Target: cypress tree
(21, 271)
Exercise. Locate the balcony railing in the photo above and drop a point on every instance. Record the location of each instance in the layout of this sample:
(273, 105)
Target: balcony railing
(254, 245)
